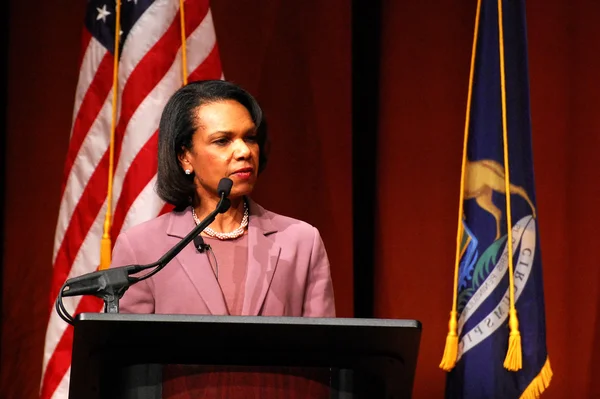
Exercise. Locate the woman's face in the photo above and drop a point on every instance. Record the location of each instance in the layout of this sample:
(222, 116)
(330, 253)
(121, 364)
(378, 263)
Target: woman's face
(224, 145)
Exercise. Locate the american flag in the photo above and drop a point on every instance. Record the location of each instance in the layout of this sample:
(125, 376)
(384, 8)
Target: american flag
(149, 71)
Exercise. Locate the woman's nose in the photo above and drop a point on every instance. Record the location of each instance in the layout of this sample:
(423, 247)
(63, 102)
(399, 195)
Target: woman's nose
(241, 149)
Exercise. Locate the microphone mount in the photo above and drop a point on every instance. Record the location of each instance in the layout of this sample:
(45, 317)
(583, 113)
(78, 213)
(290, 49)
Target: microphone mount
(112, 283)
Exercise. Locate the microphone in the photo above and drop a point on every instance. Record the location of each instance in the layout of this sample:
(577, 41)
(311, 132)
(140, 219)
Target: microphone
(200, 245)
(224, 187)
(111, 284)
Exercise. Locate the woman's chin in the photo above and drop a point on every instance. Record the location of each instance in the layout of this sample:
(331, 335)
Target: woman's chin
(241, 190)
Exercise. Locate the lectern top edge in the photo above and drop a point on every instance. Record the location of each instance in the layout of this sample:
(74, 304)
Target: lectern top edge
(317, 321)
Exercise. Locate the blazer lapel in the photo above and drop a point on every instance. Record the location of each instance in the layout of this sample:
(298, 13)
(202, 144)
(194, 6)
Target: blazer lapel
(263, 255)
(196, 265)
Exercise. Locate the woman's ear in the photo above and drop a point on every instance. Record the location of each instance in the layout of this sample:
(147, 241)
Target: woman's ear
(185, 160)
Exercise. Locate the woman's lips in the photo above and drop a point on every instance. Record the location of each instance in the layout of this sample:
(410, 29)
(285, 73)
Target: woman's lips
(244, 174)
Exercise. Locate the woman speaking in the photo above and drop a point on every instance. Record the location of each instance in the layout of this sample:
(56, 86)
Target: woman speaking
(252, 261)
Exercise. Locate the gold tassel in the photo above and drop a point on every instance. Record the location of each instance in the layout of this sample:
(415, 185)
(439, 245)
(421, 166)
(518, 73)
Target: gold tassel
(105, 244)
(539, 384)
(514, 356)
(451, 349)
(105, 252)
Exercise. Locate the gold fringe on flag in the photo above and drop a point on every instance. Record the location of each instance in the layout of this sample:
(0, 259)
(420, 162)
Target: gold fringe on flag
(451, 349)
(539, 384)
(513, 360)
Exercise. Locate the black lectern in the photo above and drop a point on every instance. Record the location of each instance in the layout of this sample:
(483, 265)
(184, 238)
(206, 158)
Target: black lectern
(114, 353)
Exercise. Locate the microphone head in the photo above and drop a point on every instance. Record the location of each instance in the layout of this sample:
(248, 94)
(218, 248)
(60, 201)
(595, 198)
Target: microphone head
(224, 187)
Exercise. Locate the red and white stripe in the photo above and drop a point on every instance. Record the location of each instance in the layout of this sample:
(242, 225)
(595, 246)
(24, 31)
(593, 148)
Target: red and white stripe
(149, 73)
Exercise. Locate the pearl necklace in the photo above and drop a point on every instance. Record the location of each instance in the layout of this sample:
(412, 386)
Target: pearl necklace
(226, 236)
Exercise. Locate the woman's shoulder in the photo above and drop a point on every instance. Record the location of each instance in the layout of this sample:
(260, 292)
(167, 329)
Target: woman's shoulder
(156, 226)
(142, 243)
(272, 221)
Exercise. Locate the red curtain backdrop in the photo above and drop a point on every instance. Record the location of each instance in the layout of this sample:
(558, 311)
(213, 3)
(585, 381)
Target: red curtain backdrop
(296, 58)
(44, 41)
(426, 49)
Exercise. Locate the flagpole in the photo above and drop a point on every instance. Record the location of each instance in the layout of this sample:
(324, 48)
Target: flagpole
(183, 44)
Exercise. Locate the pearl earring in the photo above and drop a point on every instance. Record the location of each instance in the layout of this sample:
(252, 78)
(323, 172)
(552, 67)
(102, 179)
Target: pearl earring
(188, 172)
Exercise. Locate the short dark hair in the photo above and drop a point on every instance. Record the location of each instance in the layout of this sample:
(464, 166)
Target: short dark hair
(177, 126)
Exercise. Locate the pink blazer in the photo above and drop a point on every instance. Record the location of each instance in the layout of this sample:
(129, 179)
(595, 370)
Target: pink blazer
(288, 269)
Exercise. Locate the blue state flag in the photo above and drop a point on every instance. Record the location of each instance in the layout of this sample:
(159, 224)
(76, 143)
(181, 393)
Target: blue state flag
(492, 187)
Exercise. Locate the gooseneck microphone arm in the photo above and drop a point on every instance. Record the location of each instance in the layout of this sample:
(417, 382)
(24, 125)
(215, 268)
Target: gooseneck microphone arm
(222, 207)
(111, 284)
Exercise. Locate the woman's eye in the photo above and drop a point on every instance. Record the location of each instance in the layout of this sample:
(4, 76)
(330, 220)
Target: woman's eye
(222, 141)
(252, 138)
